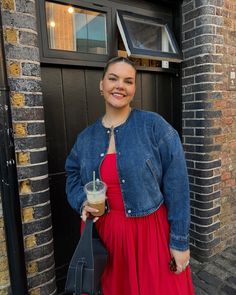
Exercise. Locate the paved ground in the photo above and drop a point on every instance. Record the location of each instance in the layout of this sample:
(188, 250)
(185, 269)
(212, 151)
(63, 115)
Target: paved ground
(217, 277)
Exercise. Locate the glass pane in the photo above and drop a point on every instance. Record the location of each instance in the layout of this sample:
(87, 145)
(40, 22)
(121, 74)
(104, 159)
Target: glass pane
(148, 35)
(76, 29)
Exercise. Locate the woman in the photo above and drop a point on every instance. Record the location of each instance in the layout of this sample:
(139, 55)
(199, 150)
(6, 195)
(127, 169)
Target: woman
(140, 158)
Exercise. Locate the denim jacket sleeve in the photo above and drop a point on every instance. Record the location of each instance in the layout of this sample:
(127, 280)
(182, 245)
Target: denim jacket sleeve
(74, 188)
(175, 188)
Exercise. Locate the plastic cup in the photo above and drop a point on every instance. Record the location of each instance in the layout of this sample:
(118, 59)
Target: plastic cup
(96, 196)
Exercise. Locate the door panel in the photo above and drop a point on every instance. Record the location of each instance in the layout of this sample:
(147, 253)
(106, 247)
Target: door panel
(72, 100)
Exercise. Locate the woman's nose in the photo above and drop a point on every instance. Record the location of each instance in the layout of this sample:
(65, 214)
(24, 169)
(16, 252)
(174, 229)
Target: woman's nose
(120, 84)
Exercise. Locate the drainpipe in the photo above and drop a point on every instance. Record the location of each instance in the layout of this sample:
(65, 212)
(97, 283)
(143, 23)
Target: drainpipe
(9, 186)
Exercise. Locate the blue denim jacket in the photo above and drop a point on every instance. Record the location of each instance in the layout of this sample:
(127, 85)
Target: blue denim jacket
(151, 168)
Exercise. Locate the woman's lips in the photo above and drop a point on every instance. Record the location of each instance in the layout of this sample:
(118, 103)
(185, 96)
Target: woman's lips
(118, 95)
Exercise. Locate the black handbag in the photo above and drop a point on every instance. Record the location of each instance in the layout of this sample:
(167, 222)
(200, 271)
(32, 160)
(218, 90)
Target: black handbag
(87, 264)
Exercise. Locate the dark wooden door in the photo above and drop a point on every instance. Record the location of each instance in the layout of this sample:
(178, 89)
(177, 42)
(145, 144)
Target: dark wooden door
(72, 101)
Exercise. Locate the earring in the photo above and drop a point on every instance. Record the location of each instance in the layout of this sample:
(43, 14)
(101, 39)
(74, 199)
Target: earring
(101, 92)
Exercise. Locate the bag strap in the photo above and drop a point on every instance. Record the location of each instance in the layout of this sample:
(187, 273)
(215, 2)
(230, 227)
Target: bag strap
(79, 277)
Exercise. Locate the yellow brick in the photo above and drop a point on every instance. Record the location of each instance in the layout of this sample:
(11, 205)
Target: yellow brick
(14, 69)
(24, 187)
(27, 214)
(22, 158)
(18, 100)
(4, 278)
(4, 291)
(20, 129)
(3, 264)
(8, 4)
(32, 267)
(34, 292)
(3, 249)
(11, 35)
(1, 222)
(30, 241)
(2, 235)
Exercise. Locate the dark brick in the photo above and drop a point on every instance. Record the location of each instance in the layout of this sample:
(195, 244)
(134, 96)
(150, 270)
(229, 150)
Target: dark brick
(208, 229)
(39, 252)
(37, 225)
(190, 164)
(202, 49)
(48, 288)
(208, 165)
(204, 237)
(188, 7)
(202, 87)
(188, 97)
(200, 173)
(39, 184)
(208, 213)
(201, 205)
(209, 78)
(188, 63)
(210, 95)
(199, 123)
(26, 114)
(42, 211)
(22, 53)
(188, 26)
(38, 157)
(34, 199)
(25, 6)
(232, 280)
(208, 148)
(213, 39)
(218, 3)
(208, 131)
(188, 148)
(41, 279)
(201, 221)
(201, 189)
(208, 58)
(198, 70)
(35, 128)
(32, 171)
(207, 29)
(33, 100)
(208, 181)
(201, 255)
(198, 105)
(209, 197)
(19, 20)
(187, 131)
(198, 140)
(208, 20)
(45, 263)
(207, 245)
(44, 237)
(30, 143)
(30, 69)
(24, 85)
(209, 10)
(198, 157)
(28, 38)
(188, 80)
(188, 44)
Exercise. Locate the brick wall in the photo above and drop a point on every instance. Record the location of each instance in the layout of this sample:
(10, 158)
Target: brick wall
(4, 273)
(23, 67)
(209, 124)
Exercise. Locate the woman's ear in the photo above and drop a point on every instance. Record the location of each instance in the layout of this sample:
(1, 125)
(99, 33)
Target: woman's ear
(101, 86)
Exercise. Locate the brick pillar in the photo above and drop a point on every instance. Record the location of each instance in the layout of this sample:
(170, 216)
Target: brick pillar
(23, 66)
(206, 121)
(201, 126)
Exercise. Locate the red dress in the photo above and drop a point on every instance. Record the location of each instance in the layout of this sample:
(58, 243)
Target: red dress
(138, 247)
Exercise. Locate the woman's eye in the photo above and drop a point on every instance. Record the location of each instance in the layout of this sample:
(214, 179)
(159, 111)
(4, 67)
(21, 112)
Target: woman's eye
(129, 82)
(112, 79)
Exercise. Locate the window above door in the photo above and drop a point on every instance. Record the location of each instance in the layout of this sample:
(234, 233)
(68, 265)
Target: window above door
(147, 37)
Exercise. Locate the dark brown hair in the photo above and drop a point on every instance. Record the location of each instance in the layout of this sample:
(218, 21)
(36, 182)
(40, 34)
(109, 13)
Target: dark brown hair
(116, 60)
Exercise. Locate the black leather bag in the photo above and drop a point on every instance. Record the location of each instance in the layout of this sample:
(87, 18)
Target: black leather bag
(87, 264)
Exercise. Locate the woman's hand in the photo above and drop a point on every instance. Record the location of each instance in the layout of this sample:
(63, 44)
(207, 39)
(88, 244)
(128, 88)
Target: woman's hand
(181, 259)
(87, 210)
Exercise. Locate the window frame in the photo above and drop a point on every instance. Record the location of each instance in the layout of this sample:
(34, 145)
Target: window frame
(72, 57)
(146, 53)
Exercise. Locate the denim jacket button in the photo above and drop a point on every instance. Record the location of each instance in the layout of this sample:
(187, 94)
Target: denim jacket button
(102, 155)
(108, 131)
(129, 211)
(123, 181)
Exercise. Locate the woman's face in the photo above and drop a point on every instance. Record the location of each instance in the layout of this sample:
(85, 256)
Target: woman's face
(118, 85)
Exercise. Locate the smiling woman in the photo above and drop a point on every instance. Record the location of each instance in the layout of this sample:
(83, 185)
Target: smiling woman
(140, 158)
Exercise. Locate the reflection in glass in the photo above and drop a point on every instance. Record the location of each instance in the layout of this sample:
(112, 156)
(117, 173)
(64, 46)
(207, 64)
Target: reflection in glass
(148, 35)
(76, 29)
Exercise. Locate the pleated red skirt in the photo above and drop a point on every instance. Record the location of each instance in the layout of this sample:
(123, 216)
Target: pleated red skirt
(138, 247)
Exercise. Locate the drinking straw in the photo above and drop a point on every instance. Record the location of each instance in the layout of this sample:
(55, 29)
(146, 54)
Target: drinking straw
(94, 181)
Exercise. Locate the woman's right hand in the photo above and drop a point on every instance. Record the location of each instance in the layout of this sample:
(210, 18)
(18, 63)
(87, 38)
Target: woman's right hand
(87, 210)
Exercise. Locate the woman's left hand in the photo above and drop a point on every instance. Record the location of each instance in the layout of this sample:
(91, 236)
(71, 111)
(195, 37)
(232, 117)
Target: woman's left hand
(181, 259)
